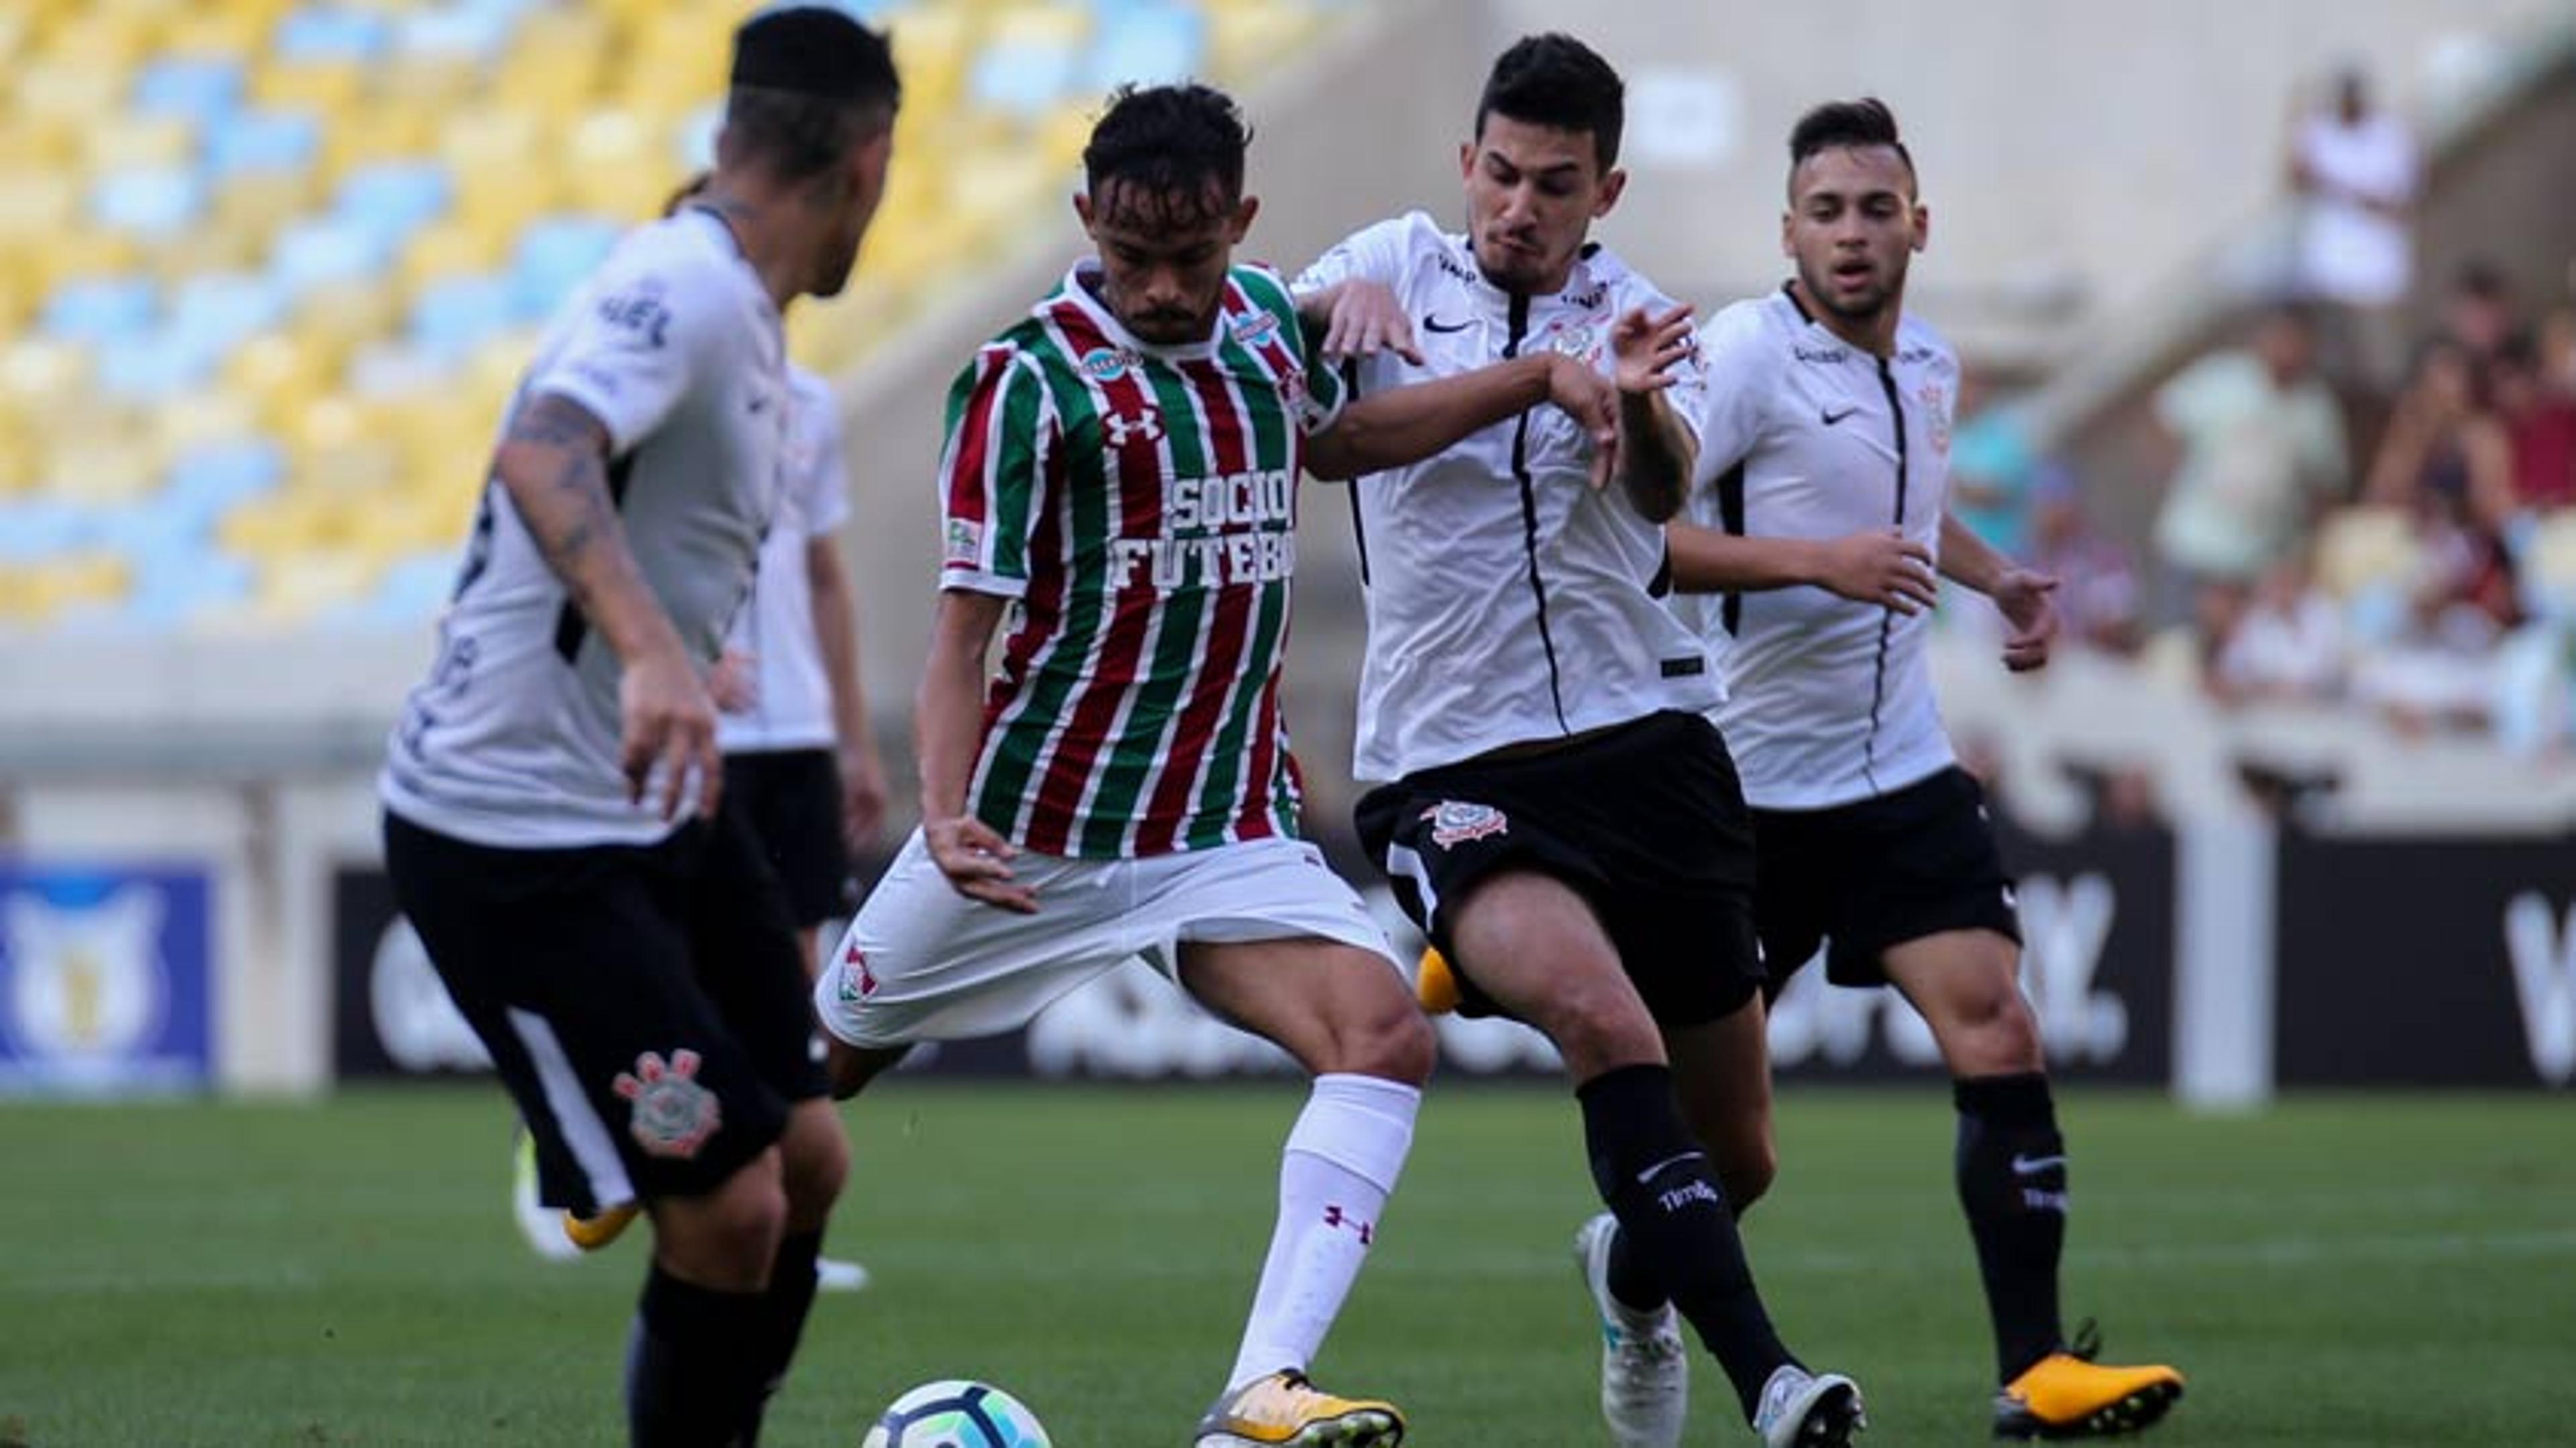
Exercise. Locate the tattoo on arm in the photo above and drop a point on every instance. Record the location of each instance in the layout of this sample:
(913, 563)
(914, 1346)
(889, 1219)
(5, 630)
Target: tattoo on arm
(554, 463)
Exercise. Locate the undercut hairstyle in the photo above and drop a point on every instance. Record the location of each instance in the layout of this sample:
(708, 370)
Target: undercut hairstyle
(1170, 153)
(1557, 81)
(1846, 125)
(810, 85)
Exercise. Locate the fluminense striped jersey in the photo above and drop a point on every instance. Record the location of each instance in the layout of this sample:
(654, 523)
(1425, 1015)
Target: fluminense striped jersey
(1139, 504)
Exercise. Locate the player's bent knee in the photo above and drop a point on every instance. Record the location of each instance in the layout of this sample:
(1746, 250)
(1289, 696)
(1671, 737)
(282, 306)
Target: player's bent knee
(1745, 1171)
(726, 1238)
(815, 1157)
(1397, 1046)
(1993, 1034)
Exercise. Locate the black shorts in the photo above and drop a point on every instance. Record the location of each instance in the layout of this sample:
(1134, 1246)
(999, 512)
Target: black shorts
(1647, 821)
(792, 797)
(645, 1004)
(1866, 876)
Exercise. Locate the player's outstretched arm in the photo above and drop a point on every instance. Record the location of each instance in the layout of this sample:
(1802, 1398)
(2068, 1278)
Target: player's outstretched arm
(1407, 424)
(1655, 449)
(948, 736)
(2025, 598)
(553, 463)
(1884, 568)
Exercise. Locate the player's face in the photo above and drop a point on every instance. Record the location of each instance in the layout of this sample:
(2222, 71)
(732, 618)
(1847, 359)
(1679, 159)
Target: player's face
(852, 200)
(1163, 259)
(1852, 226)
(1533, 193)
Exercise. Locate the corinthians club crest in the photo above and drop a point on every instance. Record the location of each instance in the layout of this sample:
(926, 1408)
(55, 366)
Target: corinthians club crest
(674, 1115)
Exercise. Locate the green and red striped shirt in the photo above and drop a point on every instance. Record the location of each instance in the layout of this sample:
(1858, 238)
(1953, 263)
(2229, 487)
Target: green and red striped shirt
(1139, 503)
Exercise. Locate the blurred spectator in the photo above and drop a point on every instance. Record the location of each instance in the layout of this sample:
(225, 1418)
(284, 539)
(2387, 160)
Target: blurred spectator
(2098, 602)
(2478, 311)
(2539, 419)
(2285, 641)
(1992, 465)
(2445, 445)
(2357, 169)
(2261, 450)
(2556, 344)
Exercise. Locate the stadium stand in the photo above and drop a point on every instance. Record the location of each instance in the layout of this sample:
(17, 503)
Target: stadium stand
(268, 268)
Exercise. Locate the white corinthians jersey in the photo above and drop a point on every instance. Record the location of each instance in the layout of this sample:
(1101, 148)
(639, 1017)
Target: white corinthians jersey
(1805, 436)
(792, 703)
(1507, 600)
(512, 740)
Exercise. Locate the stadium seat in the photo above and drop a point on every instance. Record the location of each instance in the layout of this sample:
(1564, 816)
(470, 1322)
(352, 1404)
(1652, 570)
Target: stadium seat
(552, 257)
(194, 88)
(97, 310)
(313, 252)
(140, 140)
(150, 205)
(264, 139)
(455, 315)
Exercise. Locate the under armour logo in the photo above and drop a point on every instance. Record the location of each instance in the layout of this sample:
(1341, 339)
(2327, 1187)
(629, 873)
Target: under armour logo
(1336, 1217)
(1121, 429)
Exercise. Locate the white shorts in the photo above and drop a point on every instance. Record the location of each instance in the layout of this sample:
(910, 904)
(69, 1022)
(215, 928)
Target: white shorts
(924, 963)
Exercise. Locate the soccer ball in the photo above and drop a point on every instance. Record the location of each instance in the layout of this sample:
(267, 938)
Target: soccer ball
(957, 1414)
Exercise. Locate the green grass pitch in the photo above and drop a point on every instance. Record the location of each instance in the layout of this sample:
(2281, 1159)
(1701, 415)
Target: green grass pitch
(2349, 1271)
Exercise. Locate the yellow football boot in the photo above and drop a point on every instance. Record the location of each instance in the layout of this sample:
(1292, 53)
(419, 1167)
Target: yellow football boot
(2068, 1395)
(592, 1233)
(1435, 984)
(1285, 1409)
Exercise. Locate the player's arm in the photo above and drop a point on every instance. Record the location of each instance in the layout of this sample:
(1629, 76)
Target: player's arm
(1407, 424)
(553, 463)
(1883, 568)
(1656, 449)
(1357, 317)
(836, 636)
(948, 737)
(2025, 598)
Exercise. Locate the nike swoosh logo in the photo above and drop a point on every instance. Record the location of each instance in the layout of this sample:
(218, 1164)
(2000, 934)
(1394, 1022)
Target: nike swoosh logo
(1434, 324)
(2026, 1165)
(1647, 1177)
(1831, 417)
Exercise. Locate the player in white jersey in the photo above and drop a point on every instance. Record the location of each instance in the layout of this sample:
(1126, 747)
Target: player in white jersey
(1828, 410)
(552, 795)
(1553, 808)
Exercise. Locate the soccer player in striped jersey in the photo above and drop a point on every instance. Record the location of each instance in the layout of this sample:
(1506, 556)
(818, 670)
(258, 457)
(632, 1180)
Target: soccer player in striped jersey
(1121, 483)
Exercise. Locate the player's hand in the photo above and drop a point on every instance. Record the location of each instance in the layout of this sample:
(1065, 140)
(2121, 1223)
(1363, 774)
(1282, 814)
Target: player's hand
(977, 862)
(1646, 348)
(669, 732)
(1884, 568)
(2028, 602)
(863, 797)
(734, 683)
(1367, 319)
(1589, 398)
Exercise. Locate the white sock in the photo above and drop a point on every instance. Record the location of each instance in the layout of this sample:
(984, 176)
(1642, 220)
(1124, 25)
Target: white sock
(1341, 1161)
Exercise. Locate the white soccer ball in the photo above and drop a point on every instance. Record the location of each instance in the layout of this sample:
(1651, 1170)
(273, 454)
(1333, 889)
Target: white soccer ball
(957, 1414)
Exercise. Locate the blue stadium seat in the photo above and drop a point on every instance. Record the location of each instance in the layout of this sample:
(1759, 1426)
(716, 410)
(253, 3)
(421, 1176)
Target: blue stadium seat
(34, 529)
(412, 590)
(454, 32)
(1147, 41)
(155, 367)
(262, 140)
(552, 257)
(100, 310)
(204, 89)
(315, 252)
(455, 315)
(227, 309)
(156, 204)
(1022, 78)
(395, 198)
(207, 481)
(330, 32)
(175, 585)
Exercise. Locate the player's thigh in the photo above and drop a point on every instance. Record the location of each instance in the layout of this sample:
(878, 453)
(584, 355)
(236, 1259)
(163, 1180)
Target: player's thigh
(1722, 1073)
(922, 962)
(750, 959)
(1967, 986)
(1536, 946)
(792, 800)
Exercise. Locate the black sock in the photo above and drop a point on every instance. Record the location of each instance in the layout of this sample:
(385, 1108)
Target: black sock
(2012, 1182)
(693, 1363)
(1632, 1277)
(783, 1308)
(1659, 1183)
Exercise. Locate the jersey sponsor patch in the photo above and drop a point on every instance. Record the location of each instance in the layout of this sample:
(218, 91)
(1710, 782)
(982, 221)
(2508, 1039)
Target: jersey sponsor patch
(674, 1115)
(640, 313)
(857, 981)
(965, 542)
(1454, 822)
(1253, 329)
(1106, 364)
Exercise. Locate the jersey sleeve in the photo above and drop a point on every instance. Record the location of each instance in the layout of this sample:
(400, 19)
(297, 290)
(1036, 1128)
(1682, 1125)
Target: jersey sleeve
(1376, 253)
(1318, 393)
(823, 494)
(650, 329)
(1002, 438)
(1734, 370)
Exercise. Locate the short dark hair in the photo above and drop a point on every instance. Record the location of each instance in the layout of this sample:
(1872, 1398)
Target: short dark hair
(1179, 147)
(810, 84)
(1841, 125)
(1557, 81)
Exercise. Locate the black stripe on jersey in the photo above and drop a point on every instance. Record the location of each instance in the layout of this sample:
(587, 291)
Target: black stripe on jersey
(1887, 619)
(1730, 516)
(1351, 489)
(571, 625)
(1529, 517)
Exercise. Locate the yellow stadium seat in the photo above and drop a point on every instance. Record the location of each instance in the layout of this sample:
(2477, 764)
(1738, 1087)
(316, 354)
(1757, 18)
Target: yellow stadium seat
(416, 80)
(36, 204)
(340, 318)
(280, 372)
(17, 32)
(217, 31)
(283, 524)
(457, 247)
(261, 201)
(107, 35)
(17, 466)
(390, 128)
(1246, 40)
(133, 142)
(33, 594)
(208, 415)
(931, 49)
(38, 375)
(70, 255)
(37, 143)
(87, 466)
(295, 587)
(619, 163)
(327, 87)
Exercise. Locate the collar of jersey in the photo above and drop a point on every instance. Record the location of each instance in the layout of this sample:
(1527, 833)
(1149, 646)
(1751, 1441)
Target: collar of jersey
(1110, 327)
(1488, 297)
(713, 230)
